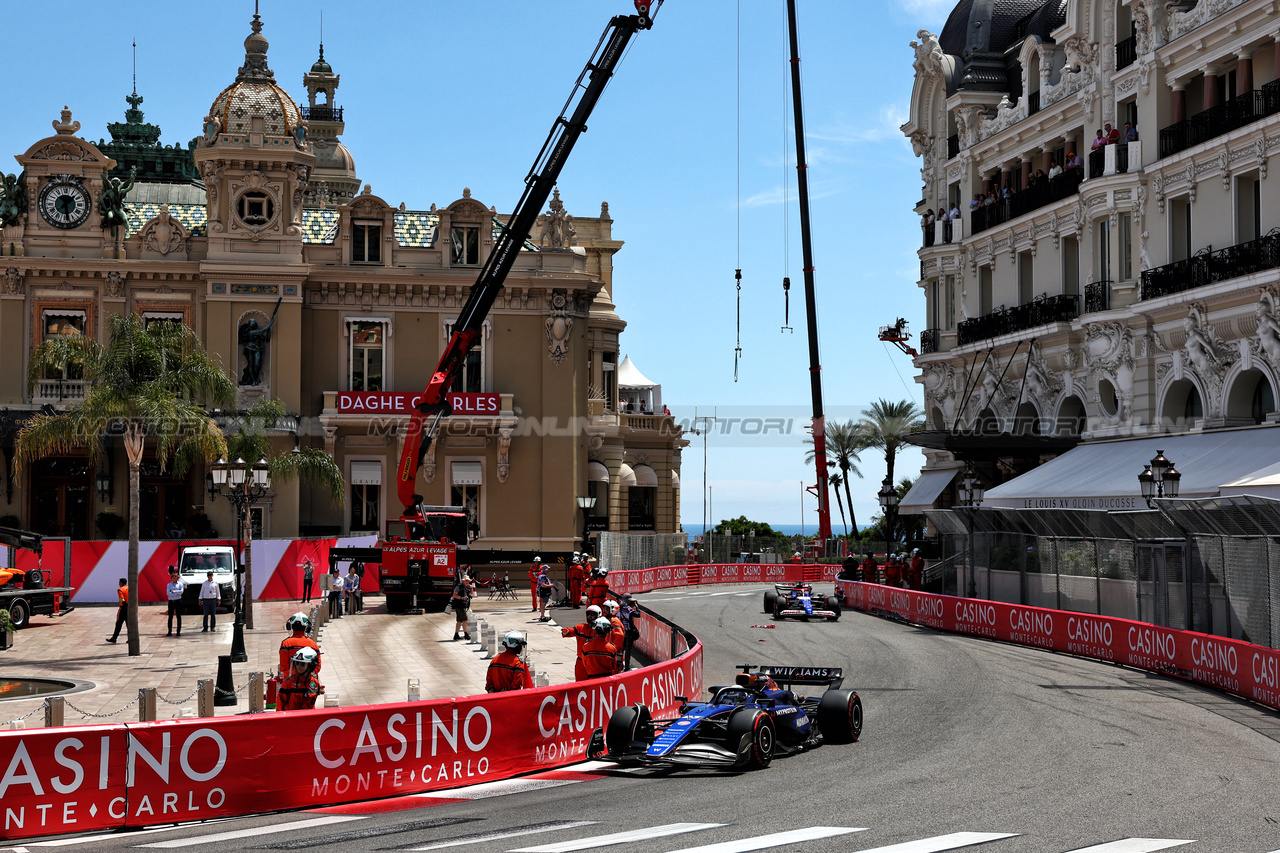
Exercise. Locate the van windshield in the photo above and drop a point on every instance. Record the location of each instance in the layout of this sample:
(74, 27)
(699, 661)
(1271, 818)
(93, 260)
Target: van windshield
(199, 564)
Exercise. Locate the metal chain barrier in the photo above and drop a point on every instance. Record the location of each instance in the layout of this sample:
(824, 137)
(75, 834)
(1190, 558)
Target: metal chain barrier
(85, 713)
(236, 692)
(41, 707)
(188, 698)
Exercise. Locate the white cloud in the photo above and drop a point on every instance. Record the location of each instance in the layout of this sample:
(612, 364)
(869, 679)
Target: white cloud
(773, 195)
(887, 126)
(928, 11)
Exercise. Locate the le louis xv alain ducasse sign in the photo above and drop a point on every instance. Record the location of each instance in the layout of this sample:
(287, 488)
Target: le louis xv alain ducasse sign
(395, 403)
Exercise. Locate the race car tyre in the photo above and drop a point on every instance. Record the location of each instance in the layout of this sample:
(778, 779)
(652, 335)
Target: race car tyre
(625, 726)
(770, 598)
(752, 733)
(20, 613)
(835, 610)
(840, 716)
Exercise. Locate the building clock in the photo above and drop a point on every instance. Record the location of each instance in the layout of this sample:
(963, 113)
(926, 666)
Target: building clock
(64, 202)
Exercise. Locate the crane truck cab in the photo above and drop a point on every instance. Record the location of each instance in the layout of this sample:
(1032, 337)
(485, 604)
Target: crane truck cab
(419, 556)
(194, 564)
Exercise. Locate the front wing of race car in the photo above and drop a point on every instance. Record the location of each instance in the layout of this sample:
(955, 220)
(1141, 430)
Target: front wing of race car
(699, 737)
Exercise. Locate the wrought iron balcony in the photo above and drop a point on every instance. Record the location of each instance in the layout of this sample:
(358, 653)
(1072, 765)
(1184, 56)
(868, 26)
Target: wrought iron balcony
(322, 113)
(1032, 198)
(1098, 162)
(953, 146)
(930, 340)
(1097, 296)
(1225, 117)
(1040, 311)
(1033, 103)
(1126, 52)
(1209, 267)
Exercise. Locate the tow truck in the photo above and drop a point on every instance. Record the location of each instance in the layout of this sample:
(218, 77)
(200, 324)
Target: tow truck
(426, 538)
(26, 592)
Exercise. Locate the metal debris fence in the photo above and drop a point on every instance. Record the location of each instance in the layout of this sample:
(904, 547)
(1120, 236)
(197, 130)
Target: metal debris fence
(628, 551)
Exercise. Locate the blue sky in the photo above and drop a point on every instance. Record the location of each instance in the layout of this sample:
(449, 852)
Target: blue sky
(442, 95)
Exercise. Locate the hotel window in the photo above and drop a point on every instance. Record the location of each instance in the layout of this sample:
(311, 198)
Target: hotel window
(984, 291)
(64, 325)
(1071, 266)
(1180, 229)
(366, 243)
(466, 245)
(149, 317)
(471, 377)
(949, 304)
(1104, 250)
(1126, 247)
(366, 495)
(1026, 284)
(367, 356)
(609, 366)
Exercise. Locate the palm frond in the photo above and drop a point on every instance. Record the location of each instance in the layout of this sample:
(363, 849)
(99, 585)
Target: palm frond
(312, 466)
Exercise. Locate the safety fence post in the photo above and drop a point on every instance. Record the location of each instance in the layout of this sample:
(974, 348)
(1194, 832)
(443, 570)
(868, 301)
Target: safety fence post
(257, 685)
(225, 691)
(146, 705)
(414, 692)
(53, 711)
(204, 699)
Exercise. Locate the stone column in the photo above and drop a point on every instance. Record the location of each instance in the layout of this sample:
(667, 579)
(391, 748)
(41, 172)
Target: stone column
(1275, 52)
(1210, 89)
(1026, 171)
(1244, 73)
(1006, 177)
(1179, 112)
(1045, 158)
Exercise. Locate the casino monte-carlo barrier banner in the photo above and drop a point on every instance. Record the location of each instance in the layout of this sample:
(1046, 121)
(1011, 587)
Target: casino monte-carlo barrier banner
(79, 778)
(1238, 667)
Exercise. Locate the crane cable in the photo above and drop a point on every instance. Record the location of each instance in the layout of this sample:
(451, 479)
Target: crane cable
(737, 273)
(786, 192)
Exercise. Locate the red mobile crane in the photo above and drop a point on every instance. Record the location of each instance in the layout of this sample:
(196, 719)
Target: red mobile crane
(416, 557)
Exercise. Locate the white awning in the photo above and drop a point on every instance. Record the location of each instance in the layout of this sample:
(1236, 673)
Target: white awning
(366, 473)
(629, 376)
(597, 473)
(1104, 475)
(1265, 483)
(646, 476)
(675, 479)
(925, 490)
(626, 476)
(466, 474)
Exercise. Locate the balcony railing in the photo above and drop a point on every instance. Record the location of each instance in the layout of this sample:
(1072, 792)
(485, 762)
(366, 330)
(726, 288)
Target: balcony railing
(1209, 267)
(322, 113)
(1097, 162)
(1225, 117)
(1097, 296)
(1040, 311)
(953, 146)
(1032, 198)
(1033, 103)
(58, 391)
(1126, 52)
(929, 340)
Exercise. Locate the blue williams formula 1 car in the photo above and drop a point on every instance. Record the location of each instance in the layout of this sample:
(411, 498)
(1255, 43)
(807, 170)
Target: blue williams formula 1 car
(798, 600)
(743, 726)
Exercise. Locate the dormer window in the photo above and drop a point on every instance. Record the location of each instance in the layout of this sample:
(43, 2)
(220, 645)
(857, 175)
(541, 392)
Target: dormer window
(466, 245)
(366, 243)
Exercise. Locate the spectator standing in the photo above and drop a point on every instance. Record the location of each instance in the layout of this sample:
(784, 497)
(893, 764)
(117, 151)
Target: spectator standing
(336, 586)
(629, 612)
(926, 225)
(1054, 169)
(1099, 141)
(1074, 161)
(545, 590)
(1130, 133)
(507, 671)
(173, 594)
(210, 595)
(122, 610)
(1113, 135)
(308, 575)
(955, 211)
(353, 591)
(463, 591)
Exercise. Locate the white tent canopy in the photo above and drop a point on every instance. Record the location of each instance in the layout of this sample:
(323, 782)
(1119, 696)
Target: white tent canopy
(629, 376)
(639, 393)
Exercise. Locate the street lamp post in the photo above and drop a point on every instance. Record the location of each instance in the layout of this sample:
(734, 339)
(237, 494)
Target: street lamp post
(971, 494)
(242, 485)
(586, 505)
(889, 503)
(1159, 479)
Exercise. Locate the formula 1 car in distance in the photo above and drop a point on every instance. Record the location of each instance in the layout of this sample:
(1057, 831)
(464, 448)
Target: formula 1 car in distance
(799, 600)
(743, 726)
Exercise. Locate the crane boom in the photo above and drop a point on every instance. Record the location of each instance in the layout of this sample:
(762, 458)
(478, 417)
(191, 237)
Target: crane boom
(568, 127)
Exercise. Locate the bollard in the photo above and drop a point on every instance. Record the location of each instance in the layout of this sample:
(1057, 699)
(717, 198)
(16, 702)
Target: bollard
(225, 691)
(53, 711)
(256, 690)
(472, 626)
(415, 690)
(315, 620)
(480, 634)
(204, 699)
(490, 641)
(542, 679)
(146, 705)
(331, 700)
(15, 725)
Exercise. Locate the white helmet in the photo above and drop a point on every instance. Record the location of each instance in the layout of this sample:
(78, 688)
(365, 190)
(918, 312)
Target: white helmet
(602, 572)
(298, 621)
(306, 655)
(602, 626)
(610, 606)
(514, 641)
(593, 613)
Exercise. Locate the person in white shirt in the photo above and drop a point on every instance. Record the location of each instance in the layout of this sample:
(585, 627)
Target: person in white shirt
(173, 592)
(955, 212)
(210, 594)
(1054, 169)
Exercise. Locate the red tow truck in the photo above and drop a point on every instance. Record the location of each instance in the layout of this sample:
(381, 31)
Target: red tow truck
(26, 593)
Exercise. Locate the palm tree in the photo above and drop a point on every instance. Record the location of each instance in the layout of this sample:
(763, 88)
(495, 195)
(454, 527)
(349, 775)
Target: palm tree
(843, 446)
(146, 380)
(886, 424)
(252, 442)
(836, 480)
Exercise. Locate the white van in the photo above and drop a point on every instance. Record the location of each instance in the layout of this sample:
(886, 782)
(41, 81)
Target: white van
(195, 564)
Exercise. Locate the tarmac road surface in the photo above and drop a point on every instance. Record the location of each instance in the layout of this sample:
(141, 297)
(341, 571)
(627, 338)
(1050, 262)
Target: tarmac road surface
(968, 744)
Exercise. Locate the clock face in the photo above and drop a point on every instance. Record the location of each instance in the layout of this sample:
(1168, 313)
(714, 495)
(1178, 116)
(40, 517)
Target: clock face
(64, 203)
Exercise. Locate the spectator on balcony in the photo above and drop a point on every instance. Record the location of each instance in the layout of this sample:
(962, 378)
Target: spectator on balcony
(976, 203)
(1130, 133)
(1007, 192)
(926, 224)
(1074, 161)
(955, 212)
(1054, 169)
(1113, 135)
(1099, 140)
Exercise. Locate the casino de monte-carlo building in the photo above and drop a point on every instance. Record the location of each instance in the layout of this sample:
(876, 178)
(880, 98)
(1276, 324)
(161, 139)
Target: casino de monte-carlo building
(263, 217)
(1127, 306)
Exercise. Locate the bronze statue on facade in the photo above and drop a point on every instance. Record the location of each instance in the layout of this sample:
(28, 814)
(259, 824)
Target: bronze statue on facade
(111, 202)
(253, 343)
(13, 198)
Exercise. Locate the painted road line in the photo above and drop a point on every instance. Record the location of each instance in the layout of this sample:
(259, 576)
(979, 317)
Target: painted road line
(941, 843)
(620, 838)
(363, 833)
(501, 788)
(530, 829)
(777, 839)
(115, 836)
(293, 826)
(1134, 845)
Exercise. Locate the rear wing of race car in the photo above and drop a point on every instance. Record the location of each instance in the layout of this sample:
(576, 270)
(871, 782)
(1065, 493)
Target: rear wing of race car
(829, 676)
